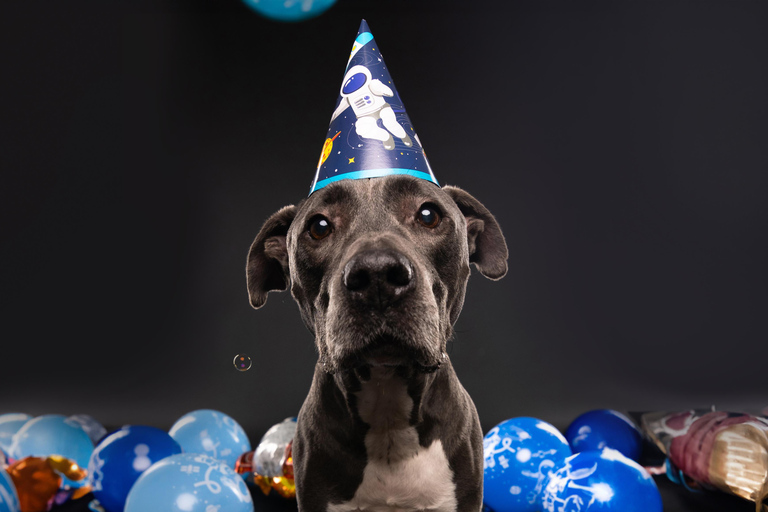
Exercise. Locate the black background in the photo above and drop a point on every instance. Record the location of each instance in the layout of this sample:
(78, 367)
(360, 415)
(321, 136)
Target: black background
(623, 147)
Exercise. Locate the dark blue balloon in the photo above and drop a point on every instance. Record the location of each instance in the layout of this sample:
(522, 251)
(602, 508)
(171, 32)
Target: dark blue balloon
(604, 481)
(519, 455)
(120, 459)
(604, 428)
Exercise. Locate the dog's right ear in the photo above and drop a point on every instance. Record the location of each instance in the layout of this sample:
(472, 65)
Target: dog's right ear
(267, 266)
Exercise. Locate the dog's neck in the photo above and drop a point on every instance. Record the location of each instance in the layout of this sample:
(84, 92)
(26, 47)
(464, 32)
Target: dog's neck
(386, 397)
(386, 403)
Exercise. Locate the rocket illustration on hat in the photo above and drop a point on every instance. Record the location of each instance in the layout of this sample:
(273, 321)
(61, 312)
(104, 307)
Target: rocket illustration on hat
(370, 134)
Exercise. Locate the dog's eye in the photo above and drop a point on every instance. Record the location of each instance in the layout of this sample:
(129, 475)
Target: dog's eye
(428, 216)
(319, 228)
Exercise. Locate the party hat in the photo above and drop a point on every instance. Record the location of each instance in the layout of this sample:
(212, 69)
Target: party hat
(370, 134)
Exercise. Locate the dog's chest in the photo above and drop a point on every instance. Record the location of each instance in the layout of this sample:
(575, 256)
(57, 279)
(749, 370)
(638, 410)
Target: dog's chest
(401, 475)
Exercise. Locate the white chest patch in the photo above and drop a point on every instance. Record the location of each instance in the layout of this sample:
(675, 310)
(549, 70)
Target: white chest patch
(401, 475)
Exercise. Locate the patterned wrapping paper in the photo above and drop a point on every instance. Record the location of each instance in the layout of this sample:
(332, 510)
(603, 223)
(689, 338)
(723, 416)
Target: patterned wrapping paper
(716, 449)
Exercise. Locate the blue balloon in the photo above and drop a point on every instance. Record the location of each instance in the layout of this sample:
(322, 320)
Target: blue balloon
(121, 458)
(211, 433)
(519, 455)
(9, 500)
(604, 481)
(10, 424)
(53, 434)
(190, 482)
(604, 428)
(289, 10)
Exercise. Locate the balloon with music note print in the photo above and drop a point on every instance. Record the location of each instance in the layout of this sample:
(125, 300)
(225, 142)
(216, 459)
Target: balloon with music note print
(519, 455)
(189, 482)
(211, 433)
(600, 481)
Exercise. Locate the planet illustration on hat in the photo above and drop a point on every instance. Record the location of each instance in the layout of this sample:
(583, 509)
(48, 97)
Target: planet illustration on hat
(370, 134)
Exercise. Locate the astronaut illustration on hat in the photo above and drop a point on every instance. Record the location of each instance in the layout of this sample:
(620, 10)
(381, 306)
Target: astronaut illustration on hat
(366, 97)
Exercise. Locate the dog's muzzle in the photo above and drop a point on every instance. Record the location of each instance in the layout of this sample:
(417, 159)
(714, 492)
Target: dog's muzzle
(378, 278)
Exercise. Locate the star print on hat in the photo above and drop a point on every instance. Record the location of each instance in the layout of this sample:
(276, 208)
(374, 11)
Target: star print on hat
(370, 134)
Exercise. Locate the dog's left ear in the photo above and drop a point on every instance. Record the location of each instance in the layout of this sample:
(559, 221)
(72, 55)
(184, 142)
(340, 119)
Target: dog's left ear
(267, 266)
(487, 247)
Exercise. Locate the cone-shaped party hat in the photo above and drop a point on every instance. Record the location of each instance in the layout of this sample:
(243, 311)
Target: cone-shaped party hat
(370, 134)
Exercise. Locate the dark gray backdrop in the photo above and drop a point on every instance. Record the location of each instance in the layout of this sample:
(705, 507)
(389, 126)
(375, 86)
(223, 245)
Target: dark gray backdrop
(623, 147)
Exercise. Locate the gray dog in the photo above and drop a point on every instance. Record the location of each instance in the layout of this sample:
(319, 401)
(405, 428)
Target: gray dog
(379, 268)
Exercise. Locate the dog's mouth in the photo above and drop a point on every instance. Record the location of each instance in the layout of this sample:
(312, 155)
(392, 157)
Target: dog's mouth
(389, 351)
(385, 354)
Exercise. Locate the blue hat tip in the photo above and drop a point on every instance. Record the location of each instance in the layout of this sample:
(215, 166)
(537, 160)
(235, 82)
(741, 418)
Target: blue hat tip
(363, 27)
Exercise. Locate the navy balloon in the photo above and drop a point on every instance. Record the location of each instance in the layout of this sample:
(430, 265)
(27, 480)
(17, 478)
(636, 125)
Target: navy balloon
(121, 458)
(604, 428)
(604, 481)
(289, 10)
(518, 455)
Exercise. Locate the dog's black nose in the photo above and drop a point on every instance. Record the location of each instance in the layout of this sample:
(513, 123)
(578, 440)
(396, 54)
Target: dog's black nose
(379, 277)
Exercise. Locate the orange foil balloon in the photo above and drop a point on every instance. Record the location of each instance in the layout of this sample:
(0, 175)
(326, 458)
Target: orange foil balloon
(263, 483)
(37, 480)
(285, 487)
(36, 483)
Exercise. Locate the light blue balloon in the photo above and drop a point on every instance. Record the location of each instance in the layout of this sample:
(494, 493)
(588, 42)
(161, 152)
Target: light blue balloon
(211, 433)
(189, 482)
(605, 428)
(600, 481)
(121, 458)
(10, 424)
(9, 500)
(53, 434)
(519, 455)
(289, 10)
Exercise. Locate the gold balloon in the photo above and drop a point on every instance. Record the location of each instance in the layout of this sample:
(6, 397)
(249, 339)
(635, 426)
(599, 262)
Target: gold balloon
(66, 467)
(36, 483)
(38, 480)
(285, 487)
(739, 461)
(263, 483)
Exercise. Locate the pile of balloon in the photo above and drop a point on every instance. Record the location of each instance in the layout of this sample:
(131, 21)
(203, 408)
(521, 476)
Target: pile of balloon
(197, 466)
(530, 466)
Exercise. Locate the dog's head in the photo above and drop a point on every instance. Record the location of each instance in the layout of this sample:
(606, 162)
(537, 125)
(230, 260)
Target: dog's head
(379, 267)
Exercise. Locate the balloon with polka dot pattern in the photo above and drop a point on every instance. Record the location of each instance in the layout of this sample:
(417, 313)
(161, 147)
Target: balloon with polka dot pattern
(122, 457)
(605, 428)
